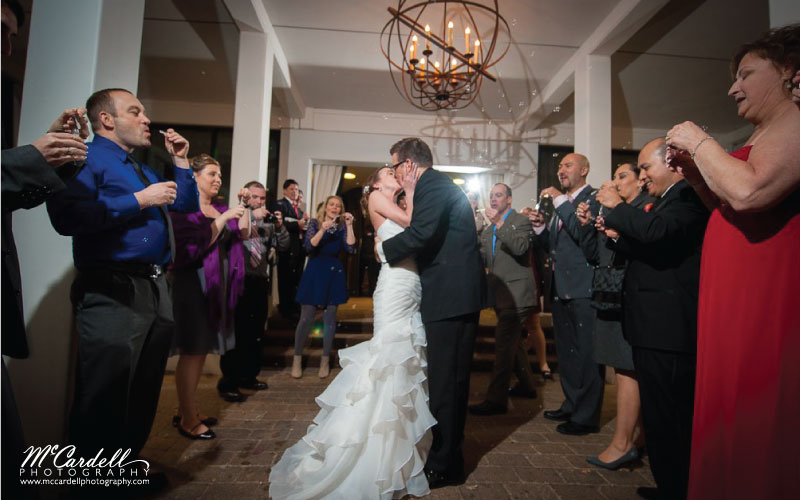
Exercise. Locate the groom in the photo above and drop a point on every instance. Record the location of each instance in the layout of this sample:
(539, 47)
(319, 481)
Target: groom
(442, 237)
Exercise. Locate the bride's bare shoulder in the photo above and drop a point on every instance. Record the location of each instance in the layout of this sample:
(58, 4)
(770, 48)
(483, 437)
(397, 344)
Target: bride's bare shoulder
(387, 209)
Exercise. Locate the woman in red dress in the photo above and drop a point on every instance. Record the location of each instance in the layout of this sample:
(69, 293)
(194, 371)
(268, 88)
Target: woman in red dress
(746, 432)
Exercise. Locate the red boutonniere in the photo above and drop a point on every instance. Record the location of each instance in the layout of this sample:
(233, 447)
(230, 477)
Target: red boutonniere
(648, 207)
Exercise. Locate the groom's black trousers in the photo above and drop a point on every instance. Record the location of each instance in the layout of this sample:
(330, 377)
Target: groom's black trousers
(450, 345)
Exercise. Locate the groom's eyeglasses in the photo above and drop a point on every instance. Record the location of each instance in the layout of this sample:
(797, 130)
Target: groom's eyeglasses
(394, 167)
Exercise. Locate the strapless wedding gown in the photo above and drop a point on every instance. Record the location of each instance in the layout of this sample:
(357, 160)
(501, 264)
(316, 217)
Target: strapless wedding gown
(372, 434)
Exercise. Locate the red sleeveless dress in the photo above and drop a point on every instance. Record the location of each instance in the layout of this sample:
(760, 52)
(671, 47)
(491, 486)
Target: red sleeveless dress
(746, 433)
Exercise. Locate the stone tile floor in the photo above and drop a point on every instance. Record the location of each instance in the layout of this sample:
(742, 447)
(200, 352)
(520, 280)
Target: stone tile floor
(518, 455)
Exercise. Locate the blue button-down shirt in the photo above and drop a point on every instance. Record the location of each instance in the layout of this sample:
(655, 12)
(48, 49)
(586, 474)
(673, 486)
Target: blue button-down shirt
(99, 209)
(494, 232)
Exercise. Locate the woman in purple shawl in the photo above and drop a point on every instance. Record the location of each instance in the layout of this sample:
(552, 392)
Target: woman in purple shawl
(208, 277)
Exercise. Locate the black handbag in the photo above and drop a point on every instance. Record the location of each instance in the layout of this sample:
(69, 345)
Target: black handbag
(607, 287)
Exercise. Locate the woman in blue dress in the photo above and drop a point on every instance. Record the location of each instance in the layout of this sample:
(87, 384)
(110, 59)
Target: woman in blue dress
(323, 284)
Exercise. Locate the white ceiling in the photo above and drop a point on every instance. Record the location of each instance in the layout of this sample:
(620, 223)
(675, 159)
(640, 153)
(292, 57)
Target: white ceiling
(674, 68)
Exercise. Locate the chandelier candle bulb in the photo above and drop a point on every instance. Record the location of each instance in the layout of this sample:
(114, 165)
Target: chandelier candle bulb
(466, 37)
(414, 47)
(427, 37)
(477, 49)
(450, 35)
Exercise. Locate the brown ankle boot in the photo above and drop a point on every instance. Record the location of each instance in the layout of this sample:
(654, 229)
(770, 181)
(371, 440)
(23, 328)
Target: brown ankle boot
(324, 366)
(297, 367)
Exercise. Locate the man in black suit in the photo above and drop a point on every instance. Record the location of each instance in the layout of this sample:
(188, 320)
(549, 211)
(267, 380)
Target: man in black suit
(571, 289)
(290, 262)
(660, 309)
(442, 237)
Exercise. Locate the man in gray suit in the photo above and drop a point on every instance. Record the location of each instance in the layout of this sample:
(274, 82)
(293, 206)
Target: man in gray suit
(571, 290)
(512, 292)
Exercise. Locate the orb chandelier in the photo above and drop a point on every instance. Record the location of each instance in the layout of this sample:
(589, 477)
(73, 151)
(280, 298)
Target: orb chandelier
(423, 41)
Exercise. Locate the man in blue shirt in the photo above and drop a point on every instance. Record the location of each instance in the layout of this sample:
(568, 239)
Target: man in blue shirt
(116, 211)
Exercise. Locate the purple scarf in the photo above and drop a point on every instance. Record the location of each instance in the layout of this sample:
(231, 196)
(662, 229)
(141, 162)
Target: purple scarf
(192, 235)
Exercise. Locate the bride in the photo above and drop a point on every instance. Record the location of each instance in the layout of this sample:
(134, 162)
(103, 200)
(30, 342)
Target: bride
(372, 434)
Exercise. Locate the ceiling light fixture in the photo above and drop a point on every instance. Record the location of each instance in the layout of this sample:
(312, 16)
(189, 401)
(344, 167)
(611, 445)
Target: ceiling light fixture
(426, 66)
(349, 175)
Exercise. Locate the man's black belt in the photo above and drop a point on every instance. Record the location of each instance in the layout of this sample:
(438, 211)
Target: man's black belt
(140, 269)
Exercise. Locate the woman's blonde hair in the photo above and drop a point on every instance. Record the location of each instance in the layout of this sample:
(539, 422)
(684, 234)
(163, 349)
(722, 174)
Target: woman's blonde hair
(321, 209)
(199, 162)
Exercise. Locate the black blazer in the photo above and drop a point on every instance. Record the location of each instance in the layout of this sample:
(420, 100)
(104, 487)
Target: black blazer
(442, 236)
(572, 274)
(595, 245)
(659, 305)
(28, 180)
(284, 206)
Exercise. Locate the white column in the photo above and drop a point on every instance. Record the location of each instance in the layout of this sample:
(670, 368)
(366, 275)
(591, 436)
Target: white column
(252, 114)
(593, 115)
(783, 12)
(74, 48)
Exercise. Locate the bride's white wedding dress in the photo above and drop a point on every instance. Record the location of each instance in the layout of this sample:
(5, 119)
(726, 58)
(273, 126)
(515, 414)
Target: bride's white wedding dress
(372, 434)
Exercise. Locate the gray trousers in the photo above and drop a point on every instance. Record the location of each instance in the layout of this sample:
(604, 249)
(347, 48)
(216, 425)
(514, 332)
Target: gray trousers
(509, 355)
(125, 327)
(581, 377)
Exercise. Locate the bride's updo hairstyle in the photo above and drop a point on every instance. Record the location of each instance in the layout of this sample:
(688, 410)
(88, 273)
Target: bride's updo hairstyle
(370, 186)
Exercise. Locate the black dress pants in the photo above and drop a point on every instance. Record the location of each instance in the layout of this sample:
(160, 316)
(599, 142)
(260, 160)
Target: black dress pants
(509, 356)
(243, 362)
(450, 346)
(124, 325)
(666, 388)
(581, 377)
(290, 270)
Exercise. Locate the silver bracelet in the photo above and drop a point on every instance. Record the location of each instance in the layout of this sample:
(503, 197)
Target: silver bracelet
(699, 144)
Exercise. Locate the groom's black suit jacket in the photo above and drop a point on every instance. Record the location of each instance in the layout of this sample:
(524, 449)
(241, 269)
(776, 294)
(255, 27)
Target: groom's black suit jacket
(442, 236)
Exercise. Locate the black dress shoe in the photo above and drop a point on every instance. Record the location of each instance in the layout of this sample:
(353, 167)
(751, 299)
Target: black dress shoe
(232, 396)
(439, 480)
(518, 392)
(573, 429)
(630, 456)
(253, 384)
(547, 375)
(647, 492)
(208, 434)
(558, 415)
(488, 408)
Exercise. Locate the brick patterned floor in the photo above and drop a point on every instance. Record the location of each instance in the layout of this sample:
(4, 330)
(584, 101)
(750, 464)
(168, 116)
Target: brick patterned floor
(518, 455)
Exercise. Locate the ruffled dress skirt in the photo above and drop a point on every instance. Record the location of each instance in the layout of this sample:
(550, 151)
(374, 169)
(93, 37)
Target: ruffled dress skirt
(371, 437)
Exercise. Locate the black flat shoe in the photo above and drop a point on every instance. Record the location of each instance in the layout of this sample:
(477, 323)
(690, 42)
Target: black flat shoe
(439, 480)
(208, 434)
(557, 415)
(573, 429)
(518, 392)
(630, 456)
(232, 396)
(487, 408)
(647, 492)
(208, 421)
(547, 375)
(254, 385)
